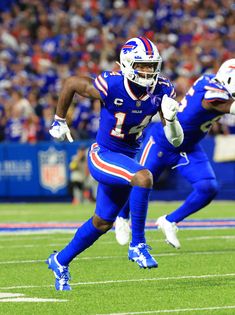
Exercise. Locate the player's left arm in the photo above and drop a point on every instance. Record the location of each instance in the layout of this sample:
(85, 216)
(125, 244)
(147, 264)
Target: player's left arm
(168, 114)
(172, 128)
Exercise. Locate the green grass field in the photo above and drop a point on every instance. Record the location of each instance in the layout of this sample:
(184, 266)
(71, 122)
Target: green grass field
(197, 279)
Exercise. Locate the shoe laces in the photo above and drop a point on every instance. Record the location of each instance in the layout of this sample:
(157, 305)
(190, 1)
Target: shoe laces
(64, 271)
(143, 249)
(64, 274)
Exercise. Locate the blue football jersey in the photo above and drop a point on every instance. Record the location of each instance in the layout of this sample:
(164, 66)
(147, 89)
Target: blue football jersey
(123, 115)
(193, 117)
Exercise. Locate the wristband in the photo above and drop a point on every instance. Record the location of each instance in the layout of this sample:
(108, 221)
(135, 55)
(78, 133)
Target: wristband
(169, 120)
(59, 118)
(174, 133)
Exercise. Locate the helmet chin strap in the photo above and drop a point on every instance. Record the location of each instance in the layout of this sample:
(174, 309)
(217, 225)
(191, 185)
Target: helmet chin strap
(133, 76)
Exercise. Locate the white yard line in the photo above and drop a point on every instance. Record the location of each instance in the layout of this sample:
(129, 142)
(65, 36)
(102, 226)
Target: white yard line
(32, 245)
(198, 238)
(125, 281)
(212, 308)
(36, 300)
(39, 232)
(12, 237)
(178, 253)
(19, 297)
(193, 238)
(10, 295)
(73, 230)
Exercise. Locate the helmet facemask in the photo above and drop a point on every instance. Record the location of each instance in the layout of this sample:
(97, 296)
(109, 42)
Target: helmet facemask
(139, 51)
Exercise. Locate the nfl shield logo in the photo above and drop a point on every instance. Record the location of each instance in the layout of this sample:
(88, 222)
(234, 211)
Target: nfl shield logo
(52, 169)
(138, 103)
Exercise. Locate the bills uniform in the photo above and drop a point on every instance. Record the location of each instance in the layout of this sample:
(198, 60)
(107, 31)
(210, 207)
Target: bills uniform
(125, 111)
(189, 157)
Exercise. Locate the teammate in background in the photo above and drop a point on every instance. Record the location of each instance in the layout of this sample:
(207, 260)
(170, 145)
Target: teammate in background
(211, 96)
(128, 99)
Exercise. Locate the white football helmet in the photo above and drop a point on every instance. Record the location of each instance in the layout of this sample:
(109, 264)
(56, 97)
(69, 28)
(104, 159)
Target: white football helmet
(140, 50)
(226, 76)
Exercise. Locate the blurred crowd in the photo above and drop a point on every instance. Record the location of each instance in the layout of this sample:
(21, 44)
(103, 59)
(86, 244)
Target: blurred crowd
(44, 42)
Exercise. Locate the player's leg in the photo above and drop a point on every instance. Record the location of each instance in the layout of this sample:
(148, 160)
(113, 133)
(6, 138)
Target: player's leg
(201, 175)
(115, 173)
(154, 159)
(125, 170)
(108, 204)
(122, 225)
(138, 250)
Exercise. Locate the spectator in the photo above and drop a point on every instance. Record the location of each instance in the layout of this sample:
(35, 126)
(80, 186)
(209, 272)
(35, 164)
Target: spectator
(93, 120)
(45, 123)
(21, 104)
(14, 131)
(42, 43)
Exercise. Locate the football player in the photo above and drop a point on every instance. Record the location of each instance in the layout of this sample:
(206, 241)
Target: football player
(211, 96)
(129, 99)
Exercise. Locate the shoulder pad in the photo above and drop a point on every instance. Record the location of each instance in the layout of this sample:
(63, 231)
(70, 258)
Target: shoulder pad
(101, 83)
(162, 79)
(212, 95)
(170, 90)
(215, 91)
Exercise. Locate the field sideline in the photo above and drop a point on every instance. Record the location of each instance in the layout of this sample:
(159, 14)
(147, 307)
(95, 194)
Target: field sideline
(197, 279)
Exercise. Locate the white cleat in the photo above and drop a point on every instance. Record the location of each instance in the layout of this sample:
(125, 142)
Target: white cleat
(122, 230)
(169, 229)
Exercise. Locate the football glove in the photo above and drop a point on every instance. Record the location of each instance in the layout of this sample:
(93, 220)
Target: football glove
(60, 130)
(169, 107)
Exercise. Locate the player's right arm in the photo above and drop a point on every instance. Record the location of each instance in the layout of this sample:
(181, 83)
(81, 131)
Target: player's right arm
(80, 85)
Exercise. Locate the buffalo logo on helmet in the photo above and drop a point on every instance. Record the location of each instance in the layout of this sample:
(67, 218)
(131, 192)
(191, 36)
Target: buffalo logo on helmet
(129, 46)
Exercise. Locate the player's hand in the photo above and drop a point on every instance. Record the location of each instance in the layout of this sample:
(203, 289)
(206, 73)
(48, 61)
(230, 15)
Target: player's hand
(169, 107)
(60, 130)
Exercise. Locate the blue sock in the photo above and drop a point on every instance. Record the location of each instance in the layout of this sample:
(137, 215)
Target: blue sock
(125, 211)
(85, 236)
(204, 191)
(139, 206)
